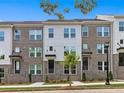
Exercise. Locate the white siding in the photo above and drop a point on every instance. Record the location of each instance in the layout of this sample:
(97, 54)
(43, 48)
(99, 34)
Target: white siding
(6, 45)
(58, 42)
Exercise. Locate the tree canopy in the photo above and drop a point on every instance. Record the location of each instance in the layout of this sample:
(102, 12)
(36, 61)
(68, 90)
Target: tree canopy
(51, 8)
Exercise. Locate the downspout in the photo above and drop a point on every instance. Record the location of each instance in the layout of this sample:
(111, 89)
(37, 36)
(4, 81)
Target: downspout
(43, 51)
(81, 52)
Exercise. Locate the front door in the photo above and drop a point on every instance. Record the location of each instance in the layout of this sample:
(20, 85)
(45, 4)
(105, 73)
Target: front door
(51, 66)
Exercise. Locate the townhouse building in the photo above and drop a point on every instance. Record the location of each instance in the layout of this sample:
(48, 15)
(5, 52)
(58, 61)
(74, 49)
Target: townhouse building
(38, 48)
(117, 43)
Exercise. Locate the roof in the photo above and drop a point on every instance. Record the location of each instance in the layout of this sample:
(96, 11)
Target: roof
(74, 20)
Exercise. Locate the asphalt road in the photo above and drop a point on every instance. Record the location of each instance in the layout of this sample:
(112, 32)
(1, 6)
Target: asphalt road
(77, 91)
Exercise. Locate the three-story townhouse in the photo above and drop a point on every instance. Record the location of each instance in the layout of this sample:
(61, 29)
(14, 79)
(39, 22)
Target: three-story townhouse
(59, 37)
(117, 44)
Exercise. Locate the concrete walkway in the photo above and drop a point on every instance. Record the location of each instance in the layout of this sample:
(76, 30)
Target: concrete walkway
(41, 84)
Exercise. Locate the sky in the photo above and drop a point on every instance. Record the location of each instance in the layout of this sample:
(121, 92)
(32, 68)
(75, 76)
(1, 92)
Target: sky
(29, 10)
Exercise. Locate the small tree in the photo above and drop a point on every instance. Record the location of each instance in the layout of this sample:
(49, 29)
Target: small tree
(70, 59)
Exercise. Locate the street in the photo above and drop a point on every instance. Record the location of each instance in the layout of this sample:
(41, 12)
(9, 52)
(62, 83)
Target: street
(77, 91)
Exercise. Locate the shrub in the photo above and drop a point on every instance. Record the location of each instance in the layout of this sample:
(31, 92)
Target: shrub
(30, 77)
(110, 75)
(46, 79)
(83, 77)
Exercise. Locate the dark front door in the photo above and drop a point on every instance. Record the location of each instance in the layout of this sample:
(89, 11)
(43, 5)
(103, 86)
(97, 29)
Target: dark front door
(51, 66)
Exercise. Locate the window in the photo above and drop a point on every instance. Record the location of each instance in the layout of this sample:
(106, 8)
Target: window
(35, 69)
(35, 35)
(121, 41)
(35, 52)
(2, 57)
(50, 66)
(17, 49)
(121, 26)
(1, 36)
(2, 72)
(66, 33)
(121, 59)
(17, 67)
(66, 69)
(85, 63)
(103, 31)
(106, 31)
(101, 49)
(51, 48)
(70, 70)
(69, 33)
(51, 32)
(68, 49)
(85, 46)
(17, 35)
(85, 31)
(102, 65)
(72, 32)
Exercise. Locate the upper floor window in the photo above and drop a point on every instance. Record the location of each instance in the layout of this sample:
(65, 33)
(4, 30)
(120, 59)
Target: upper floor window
(101, 49)
(69, 33)
(1, 36)
(51, 48)
(66, 33)
(121, 41)
(68, 49)
(121, 26)
(35, 52)
(72, 32)
(17, 35)
(85, 46)
(103, 31)
(51, 33)
(35, 35)
(17, 49)
(85, 31)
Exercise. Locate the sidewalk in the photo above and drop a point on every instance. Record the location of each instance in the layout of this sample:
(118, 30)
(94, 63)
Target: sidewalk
(41, 84)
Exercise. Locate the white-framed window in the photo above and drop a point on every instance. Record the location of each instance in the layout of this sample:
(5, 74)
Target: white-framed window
(103, 31)
(70, 69)
(121, 41)
(17, 35)
(72, 33)
(51, 33)
(69, 32)
(85, 46)
(35, 34)
(84, 31)
(66, 32)
(68, 49)
(50, 48)
(35, 52)
(100, 48)
(17, 49)
(121, 26)
(102, 65)
(35, 69)
(1, 36)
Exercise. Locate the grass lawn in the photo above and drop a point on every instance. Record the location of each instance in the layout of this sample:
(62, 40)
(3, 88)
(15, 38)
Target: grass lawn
(113, 86)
